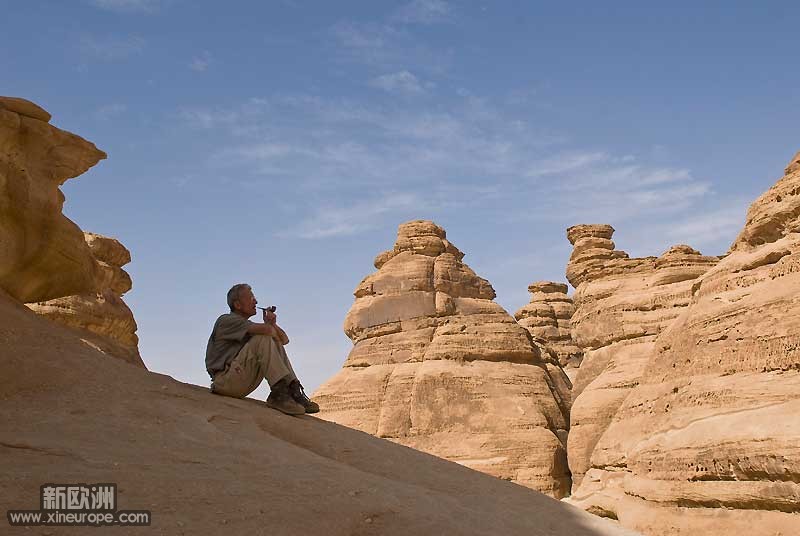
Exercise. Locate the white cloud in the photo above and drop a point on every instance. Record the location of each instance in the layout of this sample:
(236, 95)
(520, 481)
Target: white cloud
(128, 6)
(596, 186)
(711, 228)
(353, 218)
(110, 48)
(568, 161)
(200, 63)
(235, 118)
(709, 225)
(388, 47)
(401, 82)
(363, 36)
(467, 155)
(343, 140)
(207, 118)
(424, 12)
(109, 111)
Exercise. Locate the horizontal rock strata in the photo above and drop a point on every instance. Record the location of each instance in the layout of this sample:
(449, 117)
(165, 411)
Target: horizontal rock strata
(709, 441)
(621, 305)
(548, 319)
(438, 366)
(101, 315)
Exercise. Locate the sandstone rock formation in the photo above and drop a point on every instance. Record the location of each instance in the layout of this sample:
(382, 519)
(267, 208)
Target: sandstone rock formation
(102, 316)
(621, 305)
(440, 367)
(75, 277)
(42, 253)
(548, 319)
(709, 441)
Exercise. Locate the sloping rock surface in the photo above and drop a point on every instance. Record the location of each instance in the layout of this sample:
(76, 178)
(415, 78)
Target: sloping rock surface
(204, 464)
(709, 441)
(438, 366)
(621, 305)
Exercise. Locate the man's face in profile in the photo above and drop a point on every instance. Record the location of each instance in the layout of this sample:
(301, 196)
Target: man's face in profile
(246, 302)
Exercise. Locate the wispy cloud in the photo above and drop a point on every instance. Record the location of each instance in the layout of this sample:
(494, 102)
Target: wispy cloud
(353, 218)
(388, 46)
(128, 6)
(209, 118)
(364, 37)
(234, 118)
(201, 62)
(715, 228)
(109, 111)
(358, 143)
(596, 186)
(401, 83)
(568, 161)
(110, 48)
(711, 230)
(424, 12)
(471, 154)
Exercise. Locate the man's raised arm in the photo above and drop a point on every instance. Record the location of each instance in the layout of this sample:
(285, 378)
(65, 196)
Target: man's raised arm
(269, 328)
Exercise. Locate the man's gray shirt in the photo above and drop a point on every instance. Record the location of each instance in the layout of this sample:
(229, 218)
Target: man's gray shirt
(227, 338)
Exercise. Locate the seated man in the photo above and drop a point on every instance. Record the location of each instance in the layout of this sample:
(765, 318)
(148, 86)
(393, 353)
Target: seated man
(240, 354)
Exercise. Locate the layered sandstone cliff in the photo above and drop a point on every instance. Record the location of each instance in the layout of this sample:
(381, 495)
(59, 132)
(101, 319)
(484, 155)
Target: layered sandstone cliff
(621, 305)
(440, 367)
(709, 441)
(42, 253)
(72, 277)
(548, 318)
(101, 315)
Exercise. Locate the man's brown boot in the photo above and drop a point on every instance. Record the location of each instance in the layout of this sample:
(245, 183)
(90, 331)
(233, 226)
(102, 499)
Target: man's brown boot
(299, 396)
(280, 398)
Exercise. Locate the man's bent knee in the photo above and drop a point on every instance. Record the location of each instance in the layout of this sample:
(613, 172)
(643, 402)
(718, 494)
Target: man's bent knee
(265, 343)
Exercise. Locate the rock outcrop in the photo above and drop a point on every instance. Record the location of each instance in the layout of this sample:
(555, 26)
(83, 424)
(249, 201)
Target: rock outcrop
(42, 253)
(621, 305)
(440, 367)
(101, 315)
(72, 277)
(709, 441)
(548, 318)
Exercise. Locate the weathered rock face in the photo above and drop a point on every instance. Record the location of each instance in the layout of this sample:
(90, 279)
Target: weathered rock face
(622, 304)
(709, 441)
(105, 320)
(438, 366)
(42, 253)
(75, 278)
(548, 319)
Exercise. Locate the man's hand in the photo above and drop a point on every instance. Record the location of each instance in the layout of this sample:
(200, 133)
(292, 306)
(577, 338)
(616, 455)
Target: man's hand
(270, 327)
(270, 317)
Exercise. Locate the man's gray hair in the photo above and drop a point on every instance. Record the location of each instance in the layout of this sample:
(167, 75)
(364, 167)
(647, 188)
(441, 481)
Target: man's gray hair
(233, 293)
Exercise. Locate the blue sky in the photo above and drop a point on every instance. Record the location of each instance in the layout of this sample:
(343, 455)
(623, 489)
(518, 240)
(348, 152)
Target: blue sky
(281, 143)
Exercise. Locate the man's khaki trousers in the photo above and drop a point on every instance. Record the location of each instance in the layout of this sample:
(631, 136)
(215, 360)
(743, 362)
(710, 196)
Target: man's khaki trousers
(262, 358)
